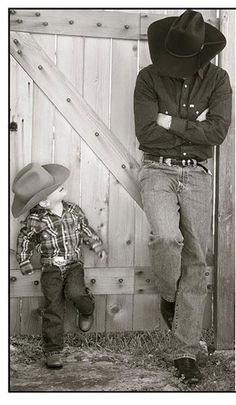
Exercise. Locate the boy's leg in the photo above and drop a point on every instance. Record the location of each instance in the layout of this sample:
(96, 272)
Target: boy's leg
(76, 291)
(53, 314)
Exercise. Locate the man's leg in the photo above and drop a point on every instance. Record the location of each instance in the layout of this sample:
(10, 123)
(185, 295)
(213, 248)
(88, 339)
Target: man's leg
(158, 185)
(195, 204)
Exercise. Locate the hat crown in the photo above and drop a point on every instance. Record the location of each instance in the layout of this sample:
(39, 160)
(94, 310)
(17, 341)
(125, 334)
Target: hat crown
(32, 179)
(186, 35)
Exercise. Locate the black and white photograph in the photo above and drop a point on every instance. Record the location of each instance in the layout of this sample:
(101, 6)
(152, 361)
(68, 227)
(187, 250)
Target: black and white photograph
(121, 199)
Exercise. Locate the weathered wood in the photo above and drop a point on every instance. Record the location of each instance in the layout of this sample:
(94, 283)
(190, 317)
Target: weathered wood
(121, 206)
(21, 102)
(119, 312)
(89, 23)
(225, 221)
(101, 281)
(43, 113)
(31, 319)
(15, 310)
(146, 312)
(99, 324)
(78, 113)
(96, 91)
(67, 144)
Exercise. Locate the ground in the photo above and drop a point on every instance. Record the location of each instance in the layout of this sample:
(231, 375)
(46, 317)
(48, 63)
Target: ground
(114, 362)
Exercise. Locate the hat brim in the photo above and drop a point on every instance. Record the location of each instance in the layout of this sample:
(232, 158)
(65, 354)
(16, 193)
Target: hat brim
(60, 175)
(176, 66)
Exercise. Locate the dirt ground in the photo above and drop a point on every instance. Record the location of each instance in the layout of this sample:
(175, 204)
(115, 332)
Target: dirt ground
(91, 371)
(113, 363)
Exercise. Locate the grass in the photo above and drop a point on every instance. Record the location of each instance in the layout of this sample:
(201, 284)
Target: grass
(151, 350)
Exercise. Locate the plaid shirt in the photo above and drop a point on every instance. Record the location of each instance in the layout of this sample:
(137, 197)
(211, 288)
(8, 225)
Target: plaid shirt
(54, 236)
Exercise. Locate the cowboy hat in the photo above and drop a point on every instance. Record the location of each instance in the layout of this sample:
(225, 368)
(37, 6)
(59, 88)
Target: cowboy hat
(179, 46)
(34, 183)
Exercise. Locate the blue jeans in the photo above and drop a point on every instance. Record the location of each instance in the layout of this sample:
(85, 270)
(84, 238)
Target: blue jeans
(177, 202)
(57, 286)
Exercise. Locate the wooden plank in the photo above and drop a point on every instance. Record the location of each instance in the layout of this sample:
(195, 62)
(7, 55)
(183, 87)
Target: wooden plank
(67, 145)
(121, 207)
(99, 314)
(89, 23)
(119, 313)
(31, 319)
(78, 113)
(142, 227)
(225, 243)
(21, 101)
(43, 113)
(101, 281)
(96, 91)
(146, 312)
(15, 315)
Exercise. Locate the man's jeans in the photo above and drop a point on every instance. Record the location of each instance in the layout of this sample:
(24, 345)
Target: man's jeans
(56, 287)
(177, 202)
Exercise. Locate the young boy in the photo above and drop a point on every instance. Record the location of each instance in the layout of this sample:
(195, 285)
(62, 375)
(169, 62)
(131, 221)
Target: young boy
(58, 228)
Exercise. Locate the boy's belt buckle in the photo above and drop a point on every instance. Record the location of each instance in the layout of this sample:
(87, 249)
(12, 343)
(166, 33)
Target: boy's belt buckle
(59, 261)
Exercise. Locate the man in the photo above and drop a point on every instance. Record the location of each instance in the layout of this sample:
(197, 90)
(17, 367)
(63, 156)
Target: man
(182, 107)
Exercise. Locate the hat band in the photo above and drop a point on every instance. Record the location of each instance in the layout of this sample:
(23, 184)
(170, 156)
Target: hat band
(185, 56)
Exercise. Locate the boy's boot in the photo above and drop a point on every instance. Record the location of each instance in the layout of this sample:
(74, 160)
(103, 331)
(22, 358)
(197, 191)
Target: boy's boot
(85, 322)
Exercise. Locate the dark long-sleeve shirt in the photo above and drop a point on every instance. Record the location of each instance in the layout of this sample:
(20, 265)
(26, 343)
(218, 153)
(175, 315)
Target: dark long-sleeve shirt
(54, 235)
(183, 99)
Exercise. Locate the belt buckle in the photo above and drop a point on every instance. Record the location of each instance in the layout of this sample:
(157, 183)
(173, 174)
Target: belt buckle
(59, 261)
(167, 161)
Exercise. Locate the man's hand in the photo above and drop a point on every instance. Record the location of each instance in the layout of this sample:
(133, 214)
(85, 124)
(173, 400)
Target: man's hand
(202, 116)
(164, 120)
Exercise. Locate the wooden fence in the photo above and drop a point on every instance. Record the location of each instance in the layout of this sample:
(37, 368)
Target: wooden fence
(72, 79)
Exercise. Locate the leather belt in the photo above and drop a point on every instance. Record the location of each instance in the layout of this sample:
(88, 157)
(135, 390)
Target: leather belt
(176, 162)
(170, 161)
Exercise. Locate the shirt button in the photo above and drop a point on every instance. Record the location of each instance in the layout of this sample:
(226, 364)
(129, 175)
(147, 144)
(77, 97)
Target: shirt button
(186, 86)
(197, 112)
(184, 105)
(184, 153)
(66, 243)
(166, 112)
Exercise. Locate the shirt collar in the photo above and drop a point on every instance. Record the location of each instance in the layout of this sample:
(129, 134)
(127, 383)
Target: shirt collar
(44, 211)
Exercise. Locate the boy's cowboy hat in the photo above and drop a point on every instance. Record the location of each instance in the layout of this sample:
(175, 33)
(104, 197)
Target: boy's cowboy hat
(179, 46)
(34, 183)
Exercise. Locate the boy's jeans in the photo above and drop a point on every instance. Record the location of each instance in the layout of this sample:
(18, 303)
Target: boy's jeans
(56, 287)
(177, 202)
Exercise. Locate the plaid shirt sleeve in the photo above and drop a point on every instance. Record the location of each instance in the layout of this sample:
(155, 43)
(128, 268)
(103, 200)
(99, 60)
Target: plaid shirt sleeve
(26, 242)
(88, 234)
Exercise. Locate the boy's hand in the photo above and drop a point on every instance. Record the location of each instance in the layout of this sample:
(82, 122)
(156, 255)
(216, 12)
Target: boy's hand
(99, 249)
(164, 120)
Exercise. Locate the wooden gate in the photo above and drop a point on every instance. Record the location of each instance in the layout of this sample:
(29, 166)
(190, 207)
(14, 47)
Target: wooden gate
(73, 74)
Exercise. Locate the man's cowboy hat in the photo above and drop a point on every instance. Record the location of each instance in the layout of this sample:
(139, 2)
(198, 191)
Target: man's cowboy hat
(34, 183)
(179, 46)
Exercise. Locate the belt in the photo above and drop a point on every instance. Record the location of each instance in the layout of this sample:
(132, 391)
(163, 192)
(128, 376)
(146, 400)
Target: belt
(59, 261)
(175, 162)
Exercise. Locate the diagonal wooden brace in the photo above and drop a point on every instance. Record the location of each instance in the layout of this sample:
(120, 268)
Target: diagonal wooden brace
(76, 111)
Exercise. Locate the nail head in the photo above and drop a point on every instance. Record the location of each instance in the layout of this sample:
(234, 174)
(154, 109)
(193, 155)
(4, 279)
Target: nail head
(45, 23)
(19, 21)
(16, 41)
(37, 14)
(99, 24)
(68, 99)
(19, 51)
(123, 166)
(126, 26)
(97, 133)
(40, 67)
(71, 22)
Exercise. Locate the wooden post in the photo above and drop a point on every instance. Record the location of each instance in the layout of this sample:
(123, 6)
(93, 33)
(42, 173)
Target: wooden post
(225, 285)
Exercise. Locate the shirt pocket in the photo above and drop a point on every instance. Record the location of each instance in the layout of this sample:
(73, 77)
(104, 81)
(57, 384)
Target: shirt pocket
(196, 108)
